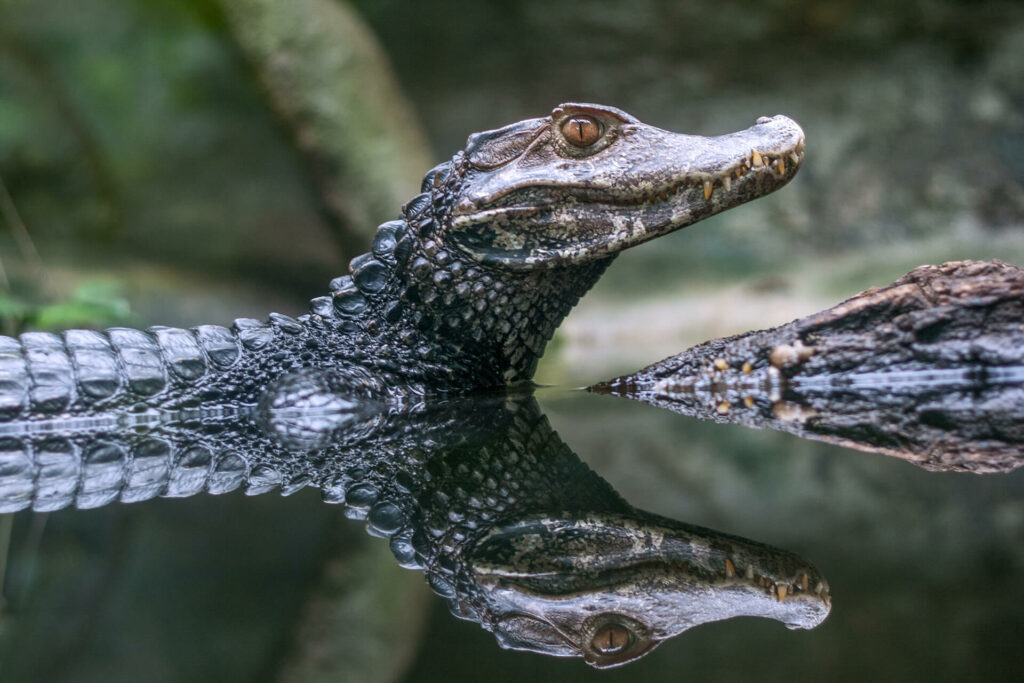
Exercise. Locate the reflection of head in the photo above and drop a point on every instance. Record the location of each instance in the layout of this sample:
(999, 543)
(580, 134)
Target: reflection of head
(610, 588)
(522, 537)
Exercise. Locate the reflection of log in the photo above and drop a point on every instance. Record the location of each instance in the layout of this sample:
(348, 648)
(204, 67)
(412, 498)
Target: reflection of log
(929, 369)
(332, 86)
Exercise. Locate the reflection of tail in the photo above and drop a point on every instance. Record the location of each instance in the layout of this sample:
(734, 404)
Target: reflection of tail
(91, 460)
(58, 472)
(929, 369)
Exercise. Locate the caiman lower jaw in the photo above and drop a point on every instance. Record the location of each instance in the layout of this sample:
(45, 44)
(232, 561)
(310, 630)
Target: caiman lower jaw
(763, 173)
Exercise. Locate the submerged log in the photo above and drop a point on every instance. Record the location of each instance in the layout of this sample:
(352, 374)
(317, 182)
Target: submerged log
(929, 369)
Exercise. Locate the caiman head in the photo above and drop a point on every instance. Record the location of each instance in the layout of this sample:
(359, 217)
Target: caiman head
(507, 236)
(588, 181)
(611, 587)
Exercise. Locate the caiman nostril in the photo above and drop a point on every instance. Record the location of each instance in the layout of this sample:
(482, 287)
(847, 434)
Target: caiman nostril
(763, 119)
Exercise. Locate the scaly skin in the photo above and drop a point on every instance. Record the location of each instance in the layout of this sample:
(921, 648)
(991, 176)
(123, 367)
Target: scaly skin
(459, 294)
(929, 369)
(507, 524)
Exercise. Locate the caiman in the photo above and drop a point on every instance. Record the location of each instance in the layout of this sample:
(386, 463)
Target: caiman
(461, 293)
(929, 369)
(508, 525)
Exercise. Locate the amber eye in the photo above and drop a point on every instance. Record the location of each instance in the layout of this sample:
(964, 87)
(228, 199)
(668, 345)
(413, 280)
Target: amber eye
(581, 131)
(611, 639)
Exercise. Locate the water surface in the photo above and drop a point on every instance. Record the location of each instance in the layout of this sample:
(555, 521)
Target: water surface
(923, 570)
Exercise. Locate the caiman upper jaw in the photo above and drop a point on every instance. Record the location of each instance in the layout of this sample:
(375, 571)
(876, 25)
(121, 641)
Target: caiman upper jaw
(544, 205)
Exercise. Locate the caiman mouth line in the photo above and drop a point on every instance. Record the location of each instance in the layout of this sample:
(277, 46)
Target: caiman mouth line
(800, 584)
(773, 163)
(708, 182)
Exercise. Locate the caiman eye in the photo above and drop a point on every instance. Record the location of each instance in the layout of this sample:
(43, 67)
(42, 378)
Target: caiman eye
(610, 639)
(581, 131)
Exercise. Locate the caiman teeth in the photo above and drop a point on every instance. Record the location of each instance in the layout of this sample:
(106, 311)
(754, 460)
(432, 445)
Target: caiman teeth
(780, 590)
(776, 165)
(756, 160)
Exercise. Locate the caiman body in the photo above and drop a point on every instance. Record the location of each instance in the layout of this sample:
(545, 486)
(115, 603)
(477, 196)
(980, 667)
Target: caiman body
(929, 369)
(461, 293)
(508, 525)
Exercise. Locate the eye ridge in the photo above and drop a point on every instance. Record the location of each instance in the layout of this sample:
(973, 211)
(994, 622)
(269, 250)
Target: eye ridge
(581, 130)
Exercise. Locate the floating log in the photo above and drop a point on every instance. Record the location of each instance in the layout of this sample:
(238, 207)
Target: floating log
(929, 369)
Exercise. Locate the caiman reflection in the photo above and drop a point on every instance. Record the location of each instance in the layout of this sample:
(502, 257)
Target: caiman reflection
(507, 524)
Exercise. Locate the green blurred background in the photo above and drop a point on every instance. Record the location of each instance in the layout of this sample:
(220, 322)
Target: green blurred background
(184, 162)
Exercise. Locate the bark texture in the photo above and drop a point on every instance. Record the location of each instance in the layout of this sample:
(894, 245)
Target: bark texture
(929, 369)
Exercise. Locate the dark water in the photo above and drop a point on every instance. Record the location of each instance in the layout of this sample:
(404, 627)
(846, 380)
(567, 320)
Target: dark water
(923, 567)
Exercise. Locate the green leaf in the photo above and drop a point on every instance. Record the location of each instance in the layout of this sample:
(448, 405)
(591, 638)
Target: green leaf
(94, 303)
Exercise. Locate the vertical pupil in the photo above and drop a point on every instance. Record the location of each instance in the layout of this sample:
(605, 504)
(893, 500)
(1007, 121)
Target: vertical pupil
(611, 639)
(581, 131)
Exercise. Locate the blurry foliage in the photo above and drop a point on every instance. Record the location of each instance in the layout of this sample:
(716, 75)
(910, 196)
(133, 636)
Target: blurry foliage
(198, 168)
(92, 304)
(161, 130)
(170, 129)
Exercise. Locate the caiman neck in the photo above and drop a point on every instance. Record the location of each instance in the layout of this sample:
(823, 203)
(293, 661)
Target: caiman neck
(448, 320)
